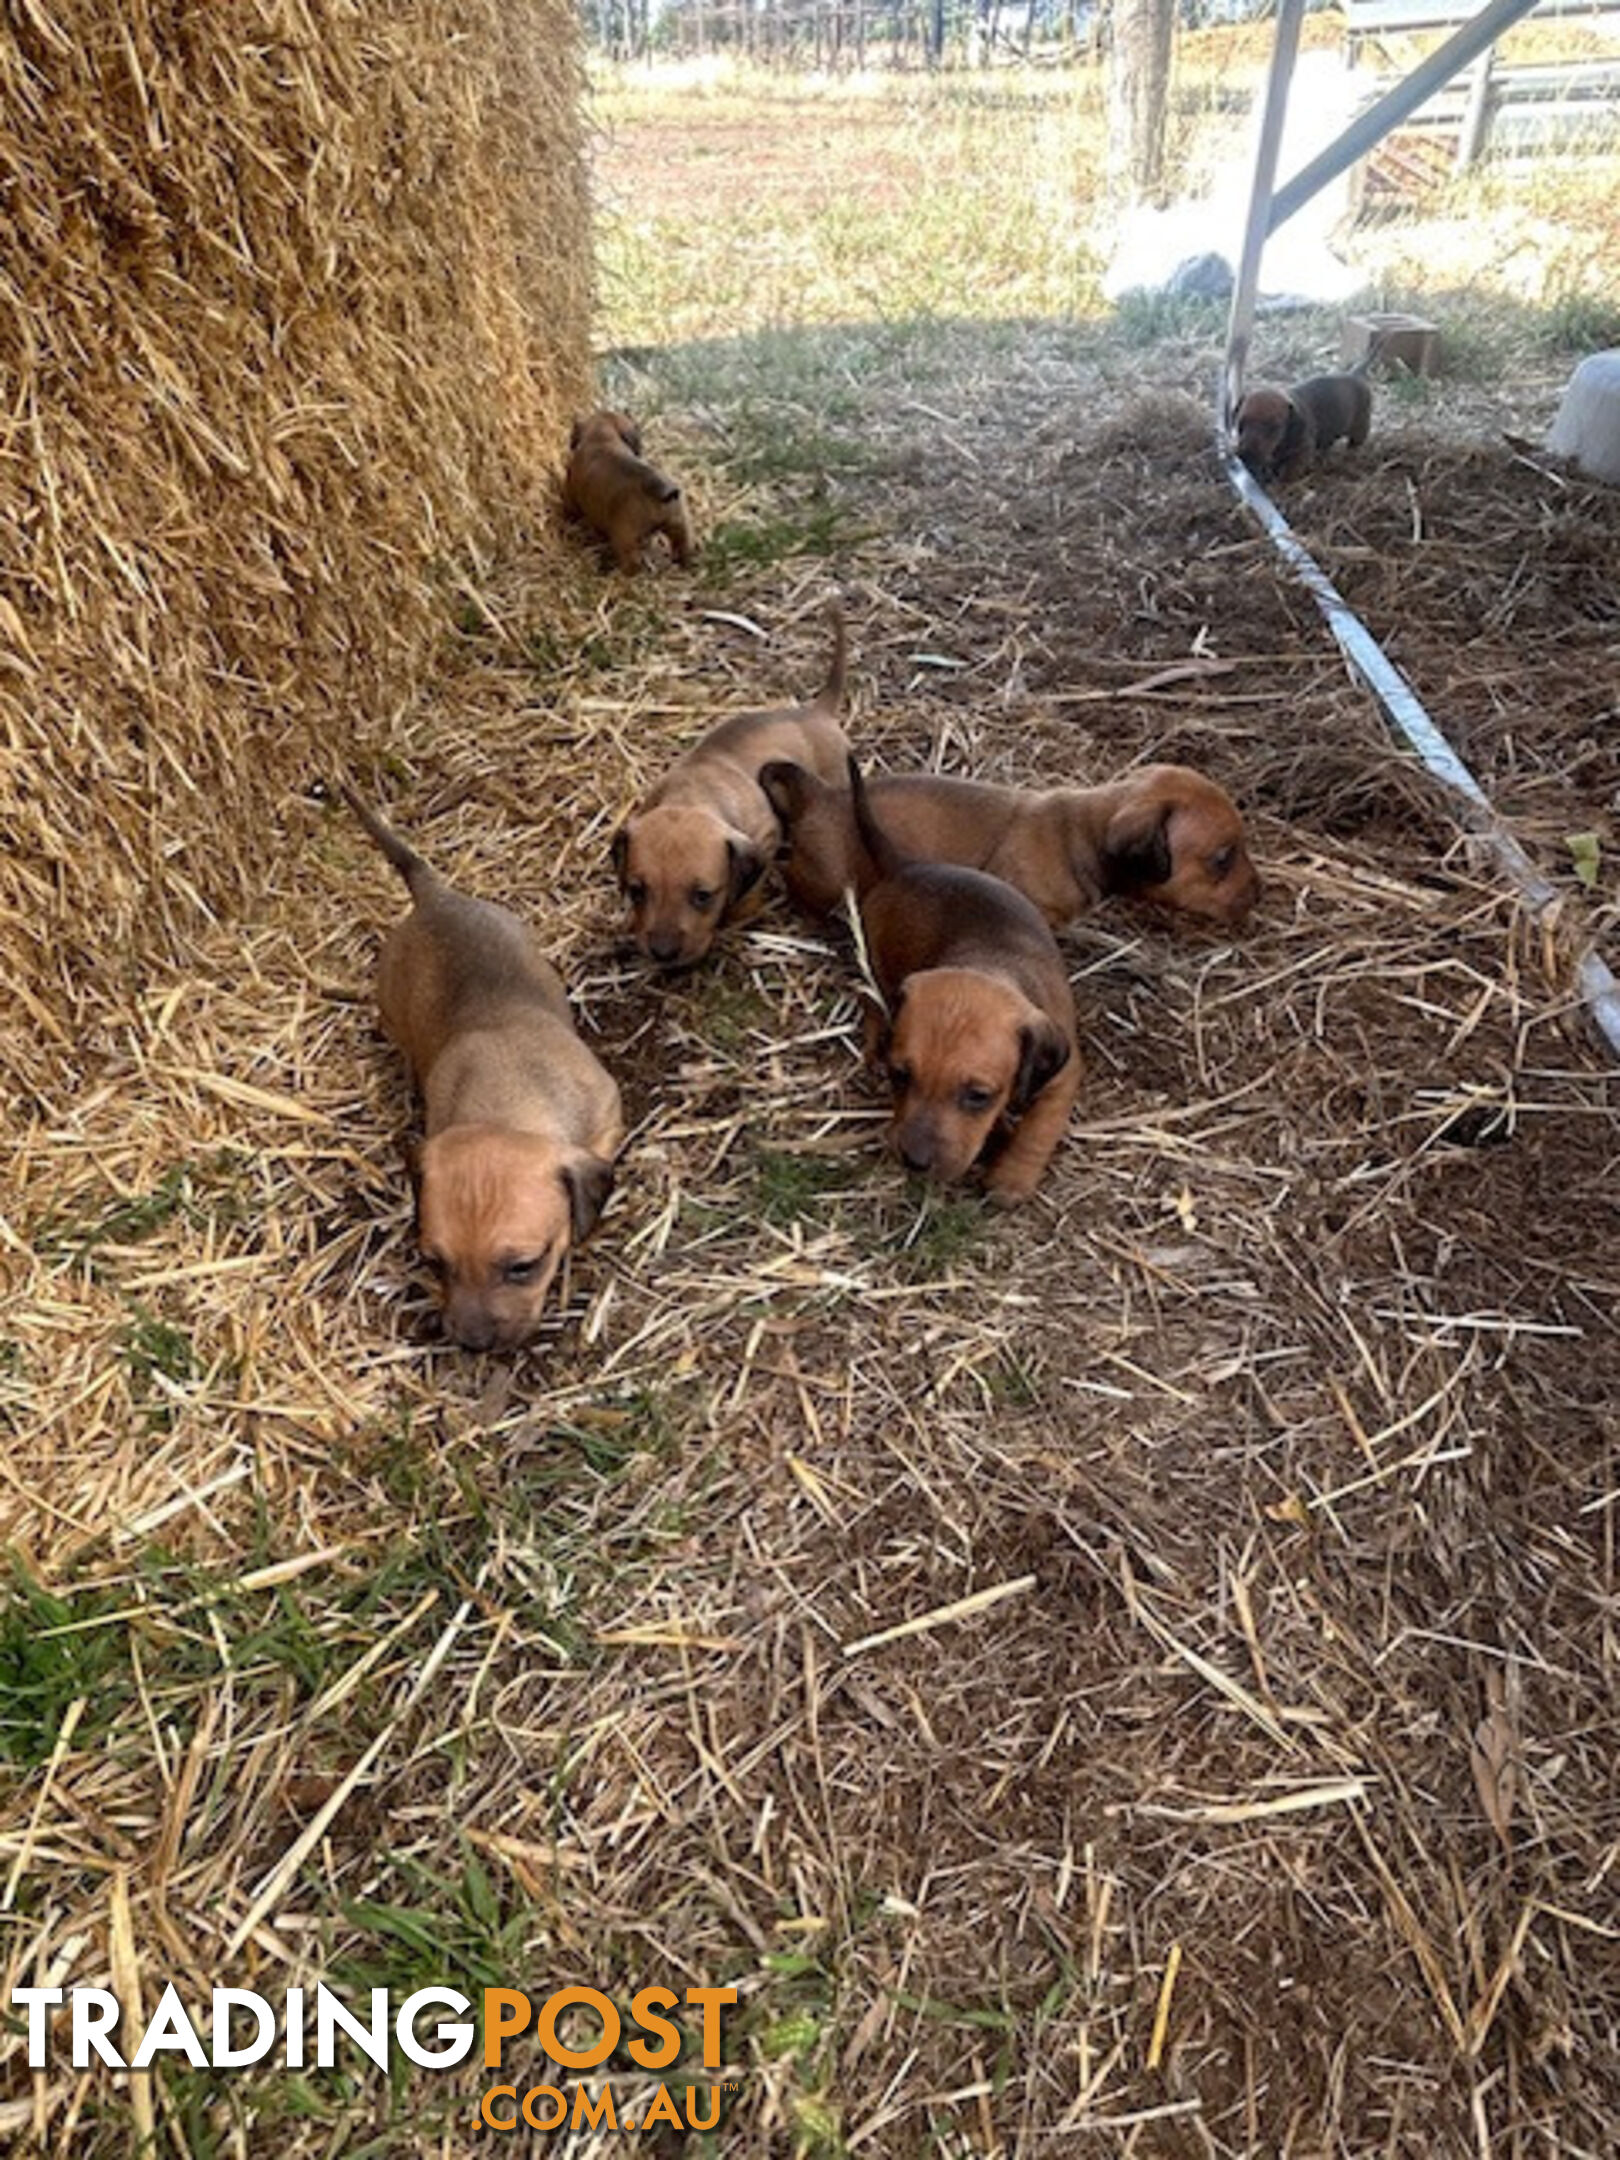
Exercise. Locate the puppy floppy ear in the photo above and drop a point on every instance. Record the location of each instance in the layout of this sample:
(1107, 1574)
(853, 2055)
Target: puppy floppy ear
(619, 853)
(1136, 846)
(587, 1180)
(748, 864)
(785, 788)
(1295, 437)
(1042, 1054)
(877, 1027)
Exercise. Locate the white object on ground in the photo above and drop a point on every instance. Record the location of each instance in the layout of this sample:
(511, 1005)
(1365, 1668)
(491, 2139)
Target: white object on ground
(1588, 425)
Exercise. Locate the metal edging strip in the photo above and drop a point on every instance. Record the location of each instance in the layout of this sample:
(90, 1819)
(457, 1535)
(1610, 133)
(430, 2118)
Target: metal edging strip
(1369, 660)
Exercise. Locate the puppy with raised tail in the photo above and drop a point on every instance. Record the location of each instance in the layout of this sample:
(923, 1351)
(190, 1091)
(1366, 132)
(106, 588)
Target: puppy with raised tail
(1164, 833)
(612, 487)
(979, 1038)
(1280, 433)
(691, 854)
(522, 1123)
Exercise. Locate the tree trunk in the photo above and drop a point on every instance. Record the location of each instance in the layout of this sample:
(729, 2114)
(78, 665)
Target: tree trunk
(1139, 96)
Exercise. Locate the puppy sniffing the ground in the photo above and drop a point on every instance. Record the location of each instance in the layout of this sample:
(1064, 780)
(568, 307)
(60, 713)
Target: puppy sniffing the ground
(612, 487)
(699, 843)
(1164, 833)
(979, 1039)
(522, 1123)
(1280, 432)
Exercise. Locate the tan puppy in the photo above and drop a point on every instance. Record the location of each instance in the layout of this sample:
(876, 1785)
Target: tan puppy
(702, 839)
(610, 485)
(1280, 432)
(522, 1123)
(1164, 833)
(979, 1040)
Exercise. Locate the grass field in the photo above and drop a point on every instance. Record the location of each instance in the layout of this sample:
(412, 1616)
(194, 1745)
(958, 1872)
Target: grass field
(1131, 1678)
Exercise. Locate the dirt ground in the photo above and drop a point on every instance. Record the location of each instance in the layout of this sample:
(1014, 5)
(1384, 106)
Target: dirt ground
(1261, 1800)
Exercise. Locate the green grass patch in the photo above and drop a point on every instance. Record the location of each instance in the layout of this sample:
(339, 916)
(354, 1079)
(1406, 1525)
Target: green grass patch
(798, 1188)
(52, 1651)
(210, 1190)
(947, 1230)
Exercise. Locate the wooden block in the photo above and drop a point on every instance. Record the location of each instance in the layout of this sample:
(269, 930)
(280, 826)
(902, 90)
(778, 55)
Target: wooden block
(1406, 340)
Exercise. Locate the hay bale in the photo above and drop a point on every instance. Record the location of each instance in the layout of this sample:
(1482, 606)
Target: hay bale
(296, 299)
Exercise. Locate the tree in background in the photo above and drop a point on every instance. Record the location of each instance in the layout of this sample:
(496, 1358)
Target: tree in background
(1142, 33)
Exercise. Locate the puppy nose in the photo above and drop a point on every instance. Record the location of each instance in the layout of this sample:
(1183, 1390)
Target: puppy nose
(471, 1331)
(916, 1154)
(664, 948)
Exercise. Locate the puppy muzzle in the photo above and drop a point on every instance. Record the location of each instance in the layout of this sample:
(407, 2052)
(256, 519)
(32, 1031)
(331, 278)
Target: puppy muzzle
(667, 949)
(917, 1145)
(470, 1326)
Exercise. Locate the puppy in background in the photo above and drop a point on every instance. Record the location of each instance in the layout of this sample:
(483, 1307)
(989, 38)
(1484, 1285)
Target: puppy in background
(522, 1123)
(611, 486)
(691, 854)
(1280, 433)
(1164, 833)
(978, 1039)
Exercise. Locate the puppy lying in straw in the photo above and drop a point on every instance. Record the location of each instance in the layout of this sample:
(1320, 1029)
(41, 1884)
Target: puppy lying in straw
(522, 1122)
(703, 837)
(611, 486)
(1164, 833)
(1280, 433)
(979, 1036)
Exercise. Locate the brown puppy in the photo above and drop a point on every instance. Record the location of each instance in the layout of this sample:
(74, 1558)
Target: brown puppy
(522, 1122)
(1280, 432)
(610, 485)
(1164, 833)
(702, 839)
(979, 1039)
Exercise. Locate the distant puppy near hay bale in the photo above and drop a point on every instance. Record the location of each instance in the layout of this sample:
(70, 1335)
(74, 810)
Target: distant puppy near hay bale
(522, 1122)
(978, 1036)
(610, 485)
(1281, 433)
(692, 853)
(1165, 834)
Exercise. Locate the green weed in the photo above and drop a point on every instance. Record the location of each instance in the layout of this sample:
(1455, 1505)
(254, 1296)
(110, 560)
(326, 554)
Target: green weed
(796, 1188)
(947, 1230)
(48, 1658)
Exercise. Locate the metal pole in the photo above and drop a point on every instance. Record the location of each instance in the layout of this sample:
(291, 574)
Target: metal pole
(1240, 324)
(1476, 118)
(1370, 127)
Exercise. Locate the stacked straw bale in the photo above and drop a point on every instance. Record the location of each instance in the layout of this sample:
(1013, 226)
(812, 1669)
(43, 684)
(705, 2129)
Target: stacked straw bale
(295, 300)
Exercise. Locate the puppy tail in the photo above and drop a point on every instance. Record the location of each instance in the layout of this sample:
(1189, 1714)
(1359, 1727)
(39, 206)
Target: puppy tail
(833, 691)
(411, 866)
(886, 857)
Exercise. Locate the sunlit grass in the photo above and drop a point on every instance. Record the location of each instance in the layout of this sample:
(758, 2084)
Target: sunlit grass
(949, 199)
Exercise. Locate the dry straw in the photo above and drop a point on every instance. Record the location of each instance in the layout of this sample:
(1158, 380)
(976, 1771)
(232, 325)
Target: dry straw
(1227, 1762)
(294, 300)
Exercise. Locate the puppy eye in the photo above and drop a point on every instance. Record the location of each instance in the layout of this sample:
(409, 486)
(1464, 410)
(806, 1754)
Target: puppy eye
(521, 1271)
(976, 1099)
(702, 896)
(1221, 862)
(436, 1264)
(899, 1077)
(636, 891)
